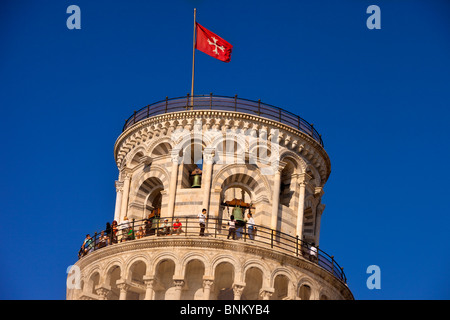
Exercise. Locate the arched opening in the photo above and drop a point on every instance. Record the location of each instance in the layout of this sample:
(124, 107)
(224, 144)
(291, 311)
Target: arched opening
(281, 286)
(287, 184)
(305, 292)
(136, 276)
(164, 275)
(223, 281)
(149, 194)
(192, 156)
(229, 150)
(195, 269)
(136, 159)
(253, 284)
(93, 281)
(112, 276)
(162, 149)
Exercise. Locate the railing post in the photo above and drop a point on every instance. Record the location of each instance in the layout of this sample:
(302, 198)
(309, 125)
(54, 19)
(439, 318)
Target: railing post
(279, 110)
(296, 246)
(312, 130)
(259, 107)
(215, 230)
(148, 111)
(167, 102)
(332, 265)
(95, 240)
(271, 239)
(186, 231)
(210, 100)
(134, 117)
(235, 102)
(132, 229)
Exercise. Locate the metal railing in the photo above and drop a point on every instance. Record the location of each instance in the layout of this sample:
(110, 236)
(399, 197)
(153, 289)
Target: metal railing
(224, 103)
(215, 228)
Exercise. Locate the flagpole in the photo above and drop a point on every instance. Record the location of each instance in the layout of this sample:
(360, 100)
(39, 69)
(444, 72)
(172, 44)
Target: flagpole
(193, 61)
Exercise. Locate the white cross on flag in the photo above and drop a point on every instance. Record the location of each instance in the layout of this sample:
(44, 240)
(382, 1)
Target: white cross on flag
(212, 44)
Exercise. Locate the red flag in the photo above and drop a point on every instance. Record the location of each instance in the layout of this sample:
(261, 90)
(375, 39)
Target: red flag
(212, 44)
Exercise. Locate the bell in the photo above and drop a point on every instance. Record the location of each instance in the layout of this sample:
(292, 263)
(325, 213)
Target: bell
(197, 173)
(196, 181)
(237, 213)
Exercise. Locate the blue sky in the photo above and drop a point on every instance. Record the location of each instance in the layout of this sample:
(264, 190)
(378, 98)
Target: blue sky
(379, 98)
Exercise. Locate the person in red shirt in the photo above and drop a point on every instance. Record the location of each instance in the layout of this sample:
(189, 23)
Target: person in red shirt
(177, 226)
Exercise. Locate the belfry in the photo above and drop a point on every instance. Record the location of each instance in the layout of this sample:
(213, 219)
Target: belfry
(263, 165)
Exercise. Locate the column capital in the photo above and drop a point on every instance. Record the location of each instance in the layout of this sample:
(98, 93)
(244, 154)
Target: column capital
(126, 173)
(238, 288)
(102, 291)
(303, 178)
(123, 285)
(119, 185)
(266, 293)
(175, 155)
(208, 155)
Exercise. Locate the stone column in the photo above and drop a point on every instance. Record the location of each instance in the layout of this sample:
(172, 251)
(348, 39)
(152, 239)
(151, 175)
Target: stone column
(173, 182)
(207, 284)
(208, 160)
(126, 191)
(302, 181)
(123, 287)
(150, 284)
(319, 212)
(119, 193)
(238, 288)
(278, 167)
(179, 283)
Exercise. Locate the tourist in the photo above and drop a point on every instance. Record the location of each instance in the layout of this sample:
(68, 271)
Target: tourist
(113, 232)
(251, 226)
(87, 244)
(108, 230)
(148, 226)
(140, 233)
(165, 227)
(201, 219)
(313, 252)
(177, 226)
(102, 240)
(232, 228)
(124, 228)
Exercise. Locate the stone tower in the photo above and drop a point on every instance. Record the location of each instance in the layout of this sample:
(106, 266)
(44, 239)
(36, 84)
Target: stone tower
(232, 157)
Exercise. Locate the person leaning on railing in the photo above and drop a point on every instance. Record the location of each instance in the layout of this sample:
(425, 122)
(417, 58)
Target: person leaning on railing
(176, 227)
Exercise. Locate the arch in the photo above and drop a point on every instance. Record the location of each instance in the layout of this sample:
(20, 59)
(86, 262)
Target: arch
(306, 288)
(193, 277)
(112, 274)
(157, 145)
(194, 256)
(254, 278)
(132, 158)
(92, 281)
(224, 278)
(263, 187)
(300, 163)
(140, 258)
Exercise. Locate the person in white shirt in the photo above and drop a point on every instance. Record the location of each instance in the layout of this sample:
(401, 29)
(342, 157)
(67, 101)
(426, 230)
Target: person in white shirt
(251, 226)
(124, 227)
(201, 220)
(313, 251)
(232, 228)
